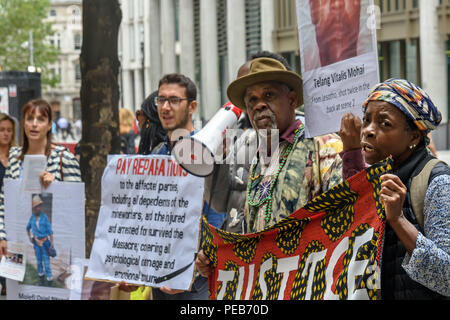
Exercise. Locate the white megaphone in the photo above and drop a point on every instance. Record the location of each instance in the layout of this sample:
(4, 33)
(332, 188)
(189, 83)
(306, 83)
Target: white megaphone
(196, 153)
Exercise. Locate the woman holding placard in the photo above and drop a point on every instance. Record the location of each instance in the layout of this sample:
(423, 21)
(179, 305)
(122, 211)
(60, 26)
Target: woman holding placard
(36, 130)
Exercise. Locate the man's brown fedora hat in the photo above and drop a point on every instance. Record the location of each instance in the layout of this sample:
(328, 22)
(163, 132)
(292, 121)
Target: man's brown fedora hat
(261, 70)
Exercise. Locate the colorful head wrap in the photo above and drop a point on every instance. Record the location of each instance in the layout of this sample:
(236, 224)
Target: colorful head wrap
(410, 99)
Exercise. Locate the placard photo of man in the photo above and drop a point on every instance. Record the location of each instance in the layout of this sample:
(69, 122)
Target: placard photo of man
(40, 234)
(337, 28)
(333, 31)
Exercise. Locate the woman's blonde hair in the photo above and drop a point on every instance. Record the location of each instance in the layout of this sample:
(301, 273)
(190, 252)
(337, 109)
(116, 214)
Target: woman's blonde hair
(5, 117)
(126, 118)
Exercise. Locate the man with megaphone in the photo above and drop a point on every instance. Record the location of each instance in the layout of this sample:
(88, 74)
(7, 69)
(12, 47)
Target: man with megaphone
(285, 177)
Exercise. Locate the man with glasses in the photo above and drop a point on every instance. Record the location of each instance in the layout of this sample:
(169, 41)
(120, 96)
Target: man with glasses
(176, 103)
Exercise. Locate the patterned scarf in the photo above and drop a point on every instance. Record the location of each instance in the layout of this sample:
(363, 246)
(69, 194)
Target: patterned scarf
(410, 99)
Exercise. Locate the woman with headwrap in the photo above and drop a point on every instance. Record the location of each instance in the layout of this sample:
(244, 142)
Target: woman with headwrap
(398, 115)
(152, 132)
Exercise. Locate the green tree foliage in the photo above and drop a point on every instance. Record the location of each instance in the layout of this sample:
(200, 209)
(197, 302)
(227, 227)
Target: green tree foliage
(17, 19)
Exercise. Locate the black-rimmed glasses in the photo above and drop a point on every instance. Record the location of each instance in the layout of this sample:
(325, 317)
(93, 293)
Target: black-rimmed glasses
(173, 101)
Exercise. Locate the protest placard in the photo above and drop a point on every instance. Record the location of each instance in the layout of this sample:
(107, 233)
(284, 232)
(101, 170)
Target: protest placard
(339, 59)
(148, 226)
(50, 227)
(328, 250)
(12, 265)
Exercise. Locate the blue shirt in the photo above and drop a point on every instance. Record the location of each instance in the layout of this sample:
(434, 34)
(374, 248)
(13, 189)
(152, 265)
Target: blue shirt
(44, 228)
(164, 147)
(214, 218)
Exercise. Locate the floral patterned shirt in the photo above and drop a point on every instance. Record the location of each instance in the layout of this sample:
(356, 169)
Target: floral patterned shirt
(312, 167)
(430, 261)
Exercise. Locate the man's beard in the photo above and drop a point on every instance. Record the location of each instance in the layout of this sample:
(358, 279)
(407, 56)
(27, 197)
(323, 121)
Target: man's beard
(273, 122)
(181, 124)
(268, 137)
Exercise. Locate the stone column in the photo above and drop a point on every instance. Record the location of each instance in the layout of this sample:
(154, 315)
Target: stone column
(168, 36)
(138, 92)
(267, 24)
(210, 101)
(433, 62)
(127, 91)
(155, 44)
(237, 54)
(187, 41)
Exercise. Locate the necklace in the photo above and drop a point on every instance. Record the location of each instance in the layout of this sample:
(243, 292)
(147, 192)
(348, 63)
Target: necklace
(265, 189)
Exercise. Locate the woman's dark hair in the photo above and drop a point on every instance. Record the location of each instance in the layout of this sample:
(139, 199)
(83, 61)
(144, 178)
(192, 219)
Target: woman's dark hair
(268, 54)
(183, 81)
(44, 108)
(152, 132)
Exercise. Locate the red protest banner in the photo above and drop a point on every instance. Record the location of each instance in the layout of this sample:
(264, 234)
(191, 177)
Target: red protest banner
(329, 249)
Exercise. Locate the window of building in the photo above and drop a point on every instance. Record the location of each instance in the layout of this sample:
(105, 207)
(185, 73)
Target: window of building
(253, 26)
(58, 41)
(412, 60)
(222, 47)
(177, 19)
(77, 72)
(395, 59)
(381, 60)
(76, 12)
(448, 77)
(52, 13)
(294, 60)
(197, 41)
(415, 3)
(77, 41)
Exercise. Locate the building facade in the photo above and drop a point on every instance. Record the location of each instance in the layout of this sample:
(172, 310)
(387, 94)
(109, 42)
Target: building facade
(66, 16)
(209, 39)
(413, 43)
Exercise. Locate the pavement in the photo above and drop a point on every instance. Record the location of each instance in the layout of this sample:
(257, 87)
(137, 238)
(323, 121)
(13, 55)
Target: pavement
(444, 155)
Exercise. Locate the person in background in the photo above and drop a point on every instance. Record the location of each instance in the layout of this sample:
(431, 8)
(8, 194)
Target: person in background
(7, 140)
(151, 130)
(63, 124)
(398, 115)
(127, 136)
(36, 126)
